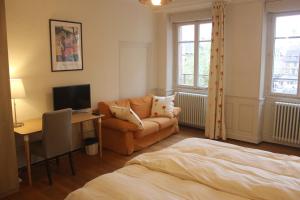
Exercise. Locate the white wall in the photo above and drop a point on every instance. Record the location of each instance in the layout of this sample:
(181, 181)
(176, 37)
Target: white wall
(133, 72)
(244, 47)
(249, 109)
(243, 41)
(244, 64)
(164, 54)
(105, 23)
(165, 42)
(249, 112)
(283, 6)
(267, 128)
(8, 164)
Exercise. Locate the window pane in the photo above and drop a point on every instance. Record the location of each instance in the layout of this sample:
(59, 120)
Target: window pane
(186, 33)
(205, 31)
(284, 86)
(286, 66)
(203, 81)
(186, 63)
(204, 62)
(287, 26)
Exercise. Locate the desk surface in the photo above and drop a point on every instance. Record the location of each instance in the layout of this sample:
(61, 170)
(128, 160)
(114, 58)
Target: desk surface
(35, 125)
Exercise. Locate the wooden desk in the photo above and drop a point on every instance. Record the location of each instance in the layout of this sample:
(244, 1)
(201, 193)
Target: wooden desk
(35, 126)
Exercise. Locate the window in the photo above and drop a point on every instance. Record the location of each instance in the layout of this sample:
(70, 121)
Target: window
(193, 54)
(286, 55)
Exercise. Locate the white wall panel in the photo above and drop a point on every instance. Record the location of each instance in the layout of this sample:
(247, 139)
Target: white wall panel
(243, 118)
(134, 65)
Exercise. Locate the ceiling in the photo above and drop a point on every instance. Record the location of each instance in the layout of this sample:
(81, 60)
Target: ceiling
(188, 5)
(185, 5)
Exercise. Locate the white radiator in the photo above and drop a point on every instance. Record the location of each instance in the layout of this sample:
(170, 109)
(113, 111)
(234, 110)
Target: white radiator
(286, 123)
(193, 109)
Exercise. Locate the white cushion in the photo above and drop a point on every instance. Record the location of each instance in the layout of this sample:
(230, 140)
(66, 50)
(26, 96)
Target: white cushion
(126, 113)
(163, 106)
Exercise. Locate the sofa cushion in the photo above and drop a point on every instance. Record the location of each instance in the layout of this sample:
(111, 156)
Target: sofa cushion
(163, 122)
(104, 107)
(120, 112)
(149, 128)
(119, 125)
(163, 106)
(142, 106)
(176, 111)
(126, 113)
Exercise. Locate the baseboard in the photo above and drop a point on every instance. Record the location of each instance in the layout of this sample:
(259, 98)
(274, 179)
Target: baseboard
(9, 192)
(271, 140)
(244, 138)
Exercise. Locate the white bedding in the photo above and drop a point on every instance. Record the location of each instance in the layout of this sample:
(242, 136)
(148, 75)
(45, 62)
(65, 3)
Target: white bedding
(200, 169)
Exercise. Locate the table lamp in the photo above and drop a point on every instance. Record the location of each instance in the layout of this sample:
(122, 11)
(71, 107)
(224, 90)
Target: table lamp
(17, 92)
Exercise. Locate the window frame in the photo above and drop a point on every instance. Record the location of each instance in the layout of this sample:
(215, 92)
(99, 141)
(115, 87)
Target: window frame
(271, 30)
(187, 88)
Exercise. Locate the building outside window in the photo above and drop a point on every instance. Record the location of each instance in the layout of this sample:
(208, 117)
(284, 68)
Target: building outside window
(193, 46)
(286, 55)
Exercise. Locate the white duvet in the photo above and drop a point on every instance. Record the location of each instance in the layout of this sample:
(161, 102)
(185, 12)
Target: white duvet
(200, 169)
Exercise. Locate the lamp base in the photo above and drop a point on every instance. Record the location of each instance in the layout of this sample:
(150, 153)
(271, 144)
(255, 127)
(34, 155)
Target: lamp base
(18, 124)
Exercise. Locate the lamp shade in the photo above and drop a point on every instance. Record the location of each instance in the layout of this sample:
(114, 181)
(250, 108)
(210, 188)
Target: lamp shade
(17, 88)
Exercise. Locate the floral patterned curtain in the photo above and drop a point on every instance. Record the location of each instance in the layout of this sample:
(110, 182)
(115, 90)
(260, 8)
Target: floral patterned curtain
(215, 124)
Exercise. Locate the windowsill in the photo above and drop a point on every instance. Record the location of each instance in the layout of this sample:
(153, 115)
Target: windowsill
(190, 89)
(282, 98)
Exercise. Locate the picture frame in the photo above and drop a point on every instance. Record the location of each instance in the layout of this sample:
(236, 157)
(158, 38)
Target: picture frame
(65, 45)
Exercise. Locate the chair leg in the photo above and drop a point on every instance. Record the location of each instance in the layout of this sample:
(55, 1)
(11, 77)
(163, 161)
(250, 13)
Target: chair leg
(71, 163)
(48, 171)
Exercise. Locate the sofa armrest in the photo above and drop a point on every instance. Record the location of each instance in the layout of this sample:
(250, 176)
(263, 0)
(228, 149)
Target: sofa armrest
(176, 111)
(119, 125)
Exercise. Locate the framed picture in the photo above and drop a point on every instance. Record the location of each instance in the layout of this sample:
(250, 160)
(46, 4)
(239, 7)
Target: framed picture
(65, 45)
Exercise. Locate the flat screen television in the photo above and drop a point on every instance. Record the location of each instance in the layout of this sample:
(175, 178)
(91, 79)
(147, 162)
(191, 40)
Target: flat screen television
(76, 97)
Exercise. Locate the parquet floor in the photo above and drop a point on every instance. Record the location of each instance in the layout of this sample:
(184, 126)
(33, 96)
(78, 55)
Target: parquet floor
(89, 167)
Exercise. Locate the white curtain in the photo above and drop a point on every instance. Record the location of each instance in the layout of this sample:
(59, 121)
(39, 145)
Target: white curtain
(215, 123)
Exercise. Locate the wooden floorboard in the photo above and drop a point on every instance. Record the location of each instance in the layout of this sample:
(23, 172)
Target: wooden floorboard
(89, 167)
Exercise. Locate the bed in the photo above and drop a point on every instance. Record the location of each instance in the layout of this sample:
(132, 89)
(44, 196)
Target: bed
(200, 169)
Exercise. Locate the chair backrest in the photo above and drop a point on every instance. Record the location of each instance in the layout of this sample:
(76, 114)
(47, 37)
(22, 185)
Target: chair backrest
(57, 132)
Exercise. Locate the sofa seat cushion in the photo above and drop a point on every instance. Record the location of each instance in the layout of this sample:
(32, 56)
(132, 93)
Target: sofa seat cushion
(150, 127)
(119, 125)
(142, 106)
(163, 122)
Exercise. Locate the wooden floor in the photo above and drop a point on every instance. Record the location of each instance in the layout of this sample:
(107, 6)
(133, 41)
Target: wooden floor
(89, 167)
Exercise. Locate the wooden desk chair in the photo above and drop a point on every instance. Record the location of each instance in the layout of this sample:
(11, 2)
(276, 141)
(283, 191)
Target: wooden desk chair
(56, 138)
